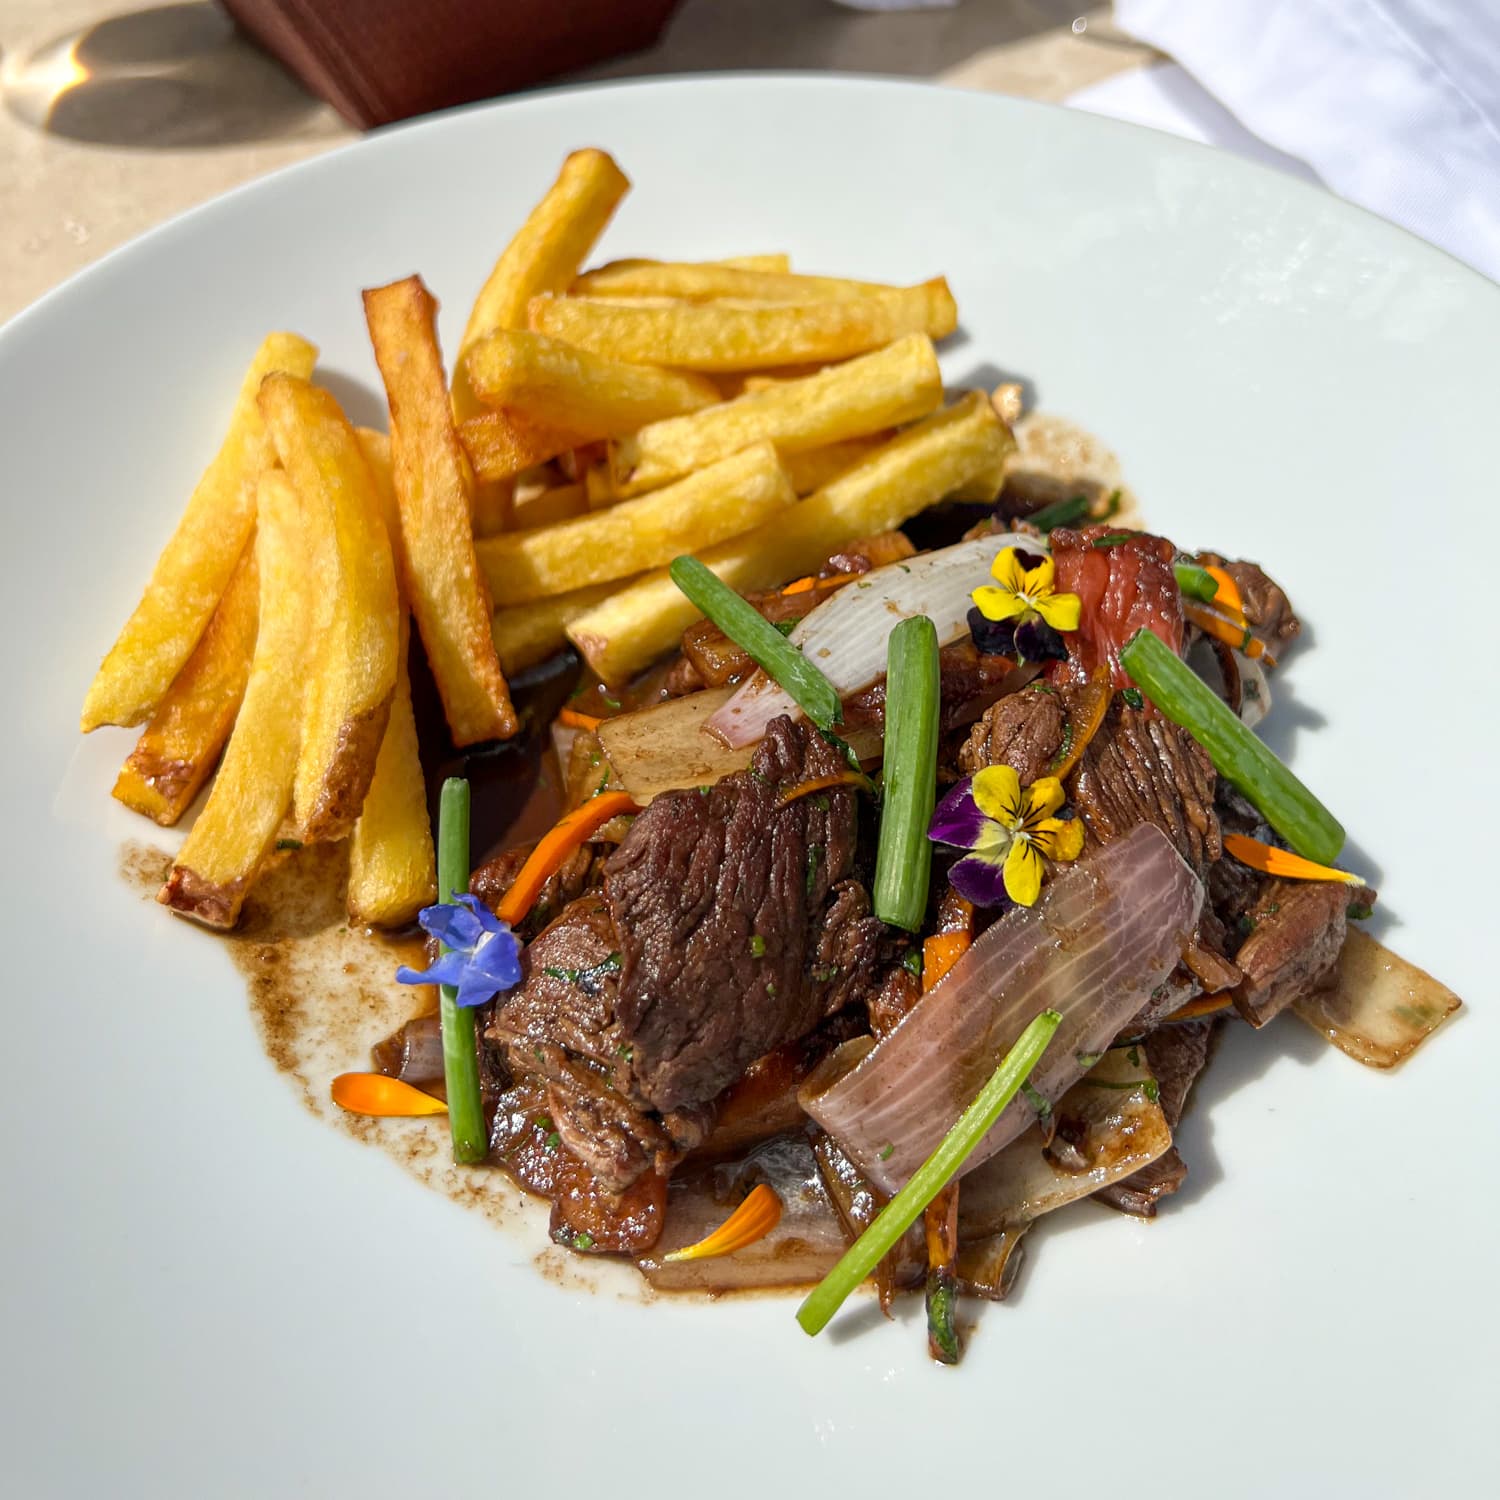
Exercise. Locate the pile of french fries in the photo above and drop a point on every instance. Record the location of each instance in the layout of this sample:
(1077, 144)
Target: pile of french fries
(598, 423)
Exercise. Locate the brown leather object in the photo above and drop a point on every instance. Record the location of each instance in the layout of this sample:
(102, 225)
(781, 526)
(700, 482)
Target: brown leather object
(381, 60)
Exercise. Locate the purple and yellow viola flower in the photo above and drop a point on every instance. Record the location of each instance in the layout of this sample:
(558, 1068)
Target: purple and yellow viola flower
(484, 955)
(1021, 614)
(1011, 832)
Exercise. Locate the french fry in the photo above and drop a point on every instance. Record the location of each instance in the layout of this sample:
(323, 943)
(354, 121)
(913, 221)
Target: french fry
(238, 824)
(544, 256)
(494, 505)
(193, 571)
(443, 581)
(178, 748)
(356, 625)
(705, 281)
(392, 866)
(810, 471)
(547, 507)
(720, 501)
(526, 634)
(599, 487)
(502, 444)
(553, 383)
(774, 263)
(744, 335)
(642, 621)
(893, 385)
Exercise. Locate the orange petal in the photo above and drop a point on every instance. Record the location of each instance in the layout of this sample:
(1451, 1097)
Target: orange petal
(1273, 861)
(375, 1094)
(572, 719)
(940, 952)
(573, 829)
(801, 585)
(755, 1218)
(1227, 596)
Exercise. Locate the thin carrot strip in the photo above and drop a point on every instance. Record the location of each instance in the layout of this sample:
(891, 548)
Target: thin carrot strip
(1221, 627)
(1270, 860)
(850, 777)
(1204, 1005)
(755, 1218)
(939, 953)
(375, 1094)
(1228, 595)
(809, 583)
(572, 719)
(801, 585)
(571, 831)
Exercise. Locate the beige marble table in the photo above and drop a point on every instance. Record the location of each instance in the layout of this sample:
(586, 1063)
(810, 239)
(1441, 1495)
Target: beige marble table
(114, 117)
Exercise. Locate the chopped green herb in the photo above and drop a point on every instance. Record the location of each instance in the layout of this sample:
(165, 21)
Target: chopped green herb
(912, 962)
(1113, 539)
(786, 627)
(757, 946)
(814, 858)
(570, 975)
(1245, 924)
(1086, 1060)
(821, 802)
(625, 1050)
(1273, 908)
(886, 1154)
(543, 1123)
(1060, 513)
(1152, 1089)
(603, 786)
(1133, 697)
(583, 1240)
(610, 702)
(288, 844)
(553, 1141)
(826, 974)
(770, 987)
(594, 760)
(1134, 1057)
(586, 979)
(703, 791)
(1358, 911)
(1039, 1102)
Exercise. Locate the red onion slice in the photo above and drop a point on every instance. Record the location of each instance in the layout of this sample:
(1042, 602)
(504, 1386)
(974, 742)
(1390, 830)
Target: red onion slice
(1105, 933)
(845, 636)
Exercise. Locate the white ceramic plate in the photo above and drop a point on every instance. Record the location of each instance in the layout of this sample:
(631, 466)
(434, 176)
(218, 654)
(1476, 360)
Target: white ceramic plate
(208, 1292)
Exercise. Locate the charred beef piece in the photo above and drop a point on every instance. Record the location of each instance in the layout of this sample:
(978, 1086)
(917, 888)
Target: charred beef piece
(1266, 605)
(1297, 930)
(1176, 1055)
(1024, 731)
(1142, 768)
(495, 877)
(739, 920)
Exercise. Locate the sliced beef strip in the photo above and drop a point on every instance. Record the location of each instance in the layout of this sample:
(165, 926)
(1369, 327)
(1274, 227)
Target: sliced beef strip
(1176, 1055)
(1142, 768)
(735, 935)
(968, 683)
(1024, 731)
(582, 869)
(1297, 933)
(1266, 605)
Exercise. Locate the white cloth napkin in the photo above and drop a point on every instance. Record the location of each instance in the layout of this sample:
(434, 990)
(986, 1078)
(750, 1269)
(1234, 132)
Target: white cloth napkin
(1395, 104)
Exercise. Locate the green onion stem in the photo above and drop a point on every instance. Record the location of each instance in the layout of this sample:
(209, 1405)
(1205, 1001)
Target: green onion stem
(1196, 582)
(749, 629)
(460, 1055)
(1238, 754)
(1061, 513)
(927, 1182)
(903, 861)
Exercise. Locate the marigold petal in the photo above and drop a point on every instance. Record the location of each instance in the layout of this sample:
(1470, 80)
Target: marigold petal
(997, 794)
(1023, 873)
(1060, 611)
(998, 604)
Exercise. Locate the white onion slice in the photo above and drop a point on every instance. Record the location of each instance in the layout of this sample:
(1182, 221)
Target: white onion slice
(1106, 932)
(845, 636)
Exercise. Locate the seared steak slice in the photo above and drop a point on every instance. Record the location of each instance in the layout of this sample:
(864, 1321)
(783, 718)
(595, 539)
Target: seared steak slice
(1142, 768)
(1297, 931)
(495, 877)
(739, 923)
(1267, 607)
(1024, 731)
(1176, 1055)
(968, 683)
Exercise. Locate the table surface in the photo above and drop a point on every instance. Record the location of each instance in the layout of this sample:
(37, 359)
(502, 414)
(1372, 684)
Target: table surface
(115, 119)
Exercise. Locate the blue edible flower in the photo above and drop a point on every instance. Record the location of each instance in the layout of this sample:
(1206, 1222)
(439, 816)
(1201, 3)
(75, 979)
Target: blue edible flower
(484, 956)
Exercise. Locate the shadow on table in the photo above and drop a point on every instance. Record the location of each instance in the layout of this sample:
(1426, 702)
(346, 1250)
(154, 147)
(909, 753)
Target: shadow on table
(170, 77)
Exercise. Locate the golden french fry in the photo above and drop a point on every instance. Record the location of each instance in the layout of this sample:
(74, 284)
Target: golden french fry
(432, 481)
(502, 444)
(544, 256)
(721, 501)
(599, 487)
(642, 621)
(528, 375)
(810, 471)
(494, 505)
(526, 634)
(392, 867)
(376, 447)
(193, 571)
(356, 625)
(178, 748)
(893, 385)
(744, 335)
(546, 507)
(705, 281)
(773, 262)
(234, 833)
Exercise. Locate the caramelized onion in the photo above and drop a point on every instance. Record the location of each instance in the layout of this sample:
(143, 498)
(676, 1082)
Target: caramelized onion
(1105, 933)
